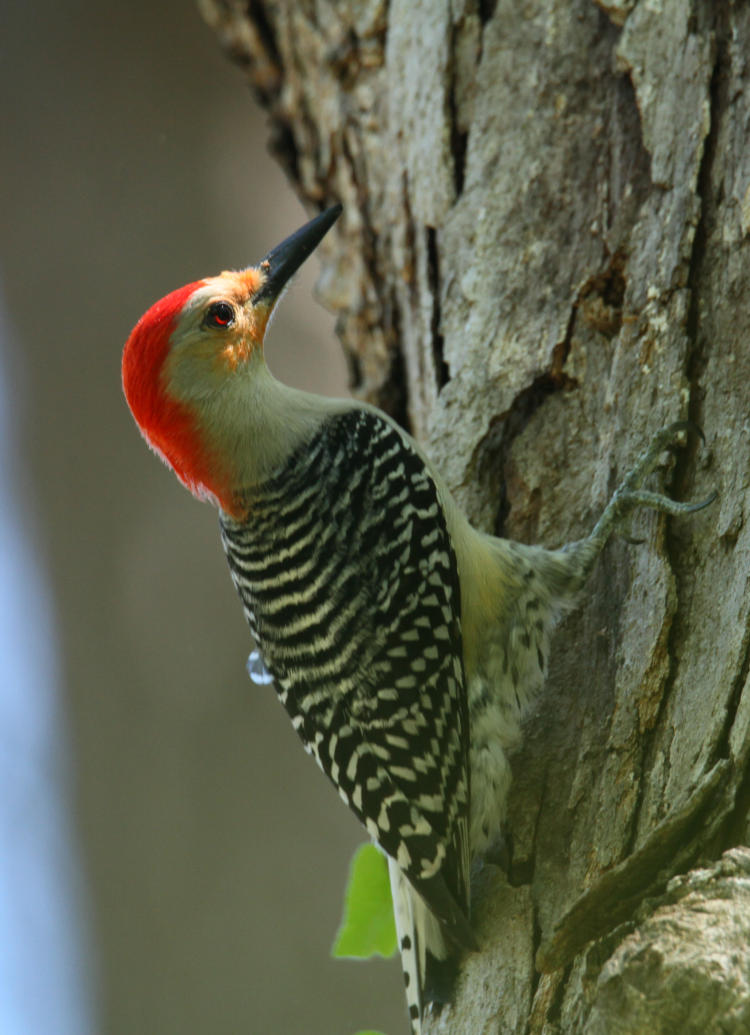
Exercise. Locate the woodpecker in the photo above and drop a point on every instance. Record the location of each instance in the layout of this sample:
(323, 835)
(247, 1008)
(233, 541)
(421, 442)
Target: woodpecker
(404, 644)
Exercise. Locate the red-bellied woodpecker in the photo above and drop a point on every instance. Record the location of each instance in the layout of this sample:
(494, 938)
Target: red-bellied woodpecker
(404, 644)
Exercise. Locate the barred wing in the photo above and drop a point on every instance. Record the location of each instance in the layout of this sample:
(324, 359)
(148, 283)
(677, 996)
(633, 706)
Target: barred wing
(349, 582)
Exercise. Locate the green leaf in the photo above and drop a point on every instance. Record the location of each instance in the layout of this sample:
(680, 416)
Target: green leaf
(367, 927)
(368, 1032)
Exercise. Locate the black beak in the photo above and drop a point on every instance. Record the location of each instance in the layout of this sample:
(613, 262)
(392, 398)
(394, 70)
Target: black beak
(285, 259)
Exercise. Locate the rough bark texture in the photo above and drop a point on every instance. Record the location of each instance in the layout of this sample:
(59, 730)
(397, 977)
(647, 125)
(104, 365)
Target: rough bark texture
(543, 259)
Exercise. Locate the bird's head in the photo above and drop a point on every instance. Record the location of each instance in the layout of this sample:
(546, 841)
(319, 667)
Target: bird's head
(190, 352)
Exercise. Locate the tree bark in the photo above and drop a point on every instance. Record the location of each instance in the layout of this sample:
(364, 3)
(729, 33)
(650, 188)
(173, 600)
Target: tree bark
(543, 260)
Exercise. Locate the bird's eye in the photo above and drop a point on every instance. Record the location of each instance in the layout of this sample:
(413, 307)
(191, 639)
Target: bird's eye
(219, 314)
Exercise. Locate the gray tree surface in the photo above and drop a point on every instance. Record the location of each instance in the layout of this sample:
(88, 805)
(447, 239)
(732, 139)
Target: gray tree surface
(544, 259)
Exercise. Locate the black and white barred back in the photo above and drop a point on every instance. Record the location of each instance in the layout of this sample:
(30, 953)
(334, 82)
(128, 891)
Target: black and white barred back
(349, 582)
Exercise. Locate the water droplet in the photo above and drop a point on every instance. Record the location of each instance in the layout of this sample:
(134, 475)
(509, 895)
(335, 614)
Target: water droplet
(256, 669)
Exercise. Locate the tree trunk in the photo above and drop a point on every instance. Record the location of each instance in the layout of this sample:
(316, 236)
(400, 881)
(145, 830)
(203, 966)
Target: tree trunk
(542, 261)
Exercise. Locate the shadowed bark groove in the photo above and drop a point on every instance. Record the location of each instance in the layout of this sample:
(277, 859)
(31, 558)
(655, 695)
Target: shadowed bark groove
(544, 258)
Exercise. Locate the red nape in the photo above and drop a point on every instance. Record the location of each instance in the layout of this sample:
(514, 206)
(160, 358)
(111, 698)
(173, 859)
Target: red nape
(166, 424)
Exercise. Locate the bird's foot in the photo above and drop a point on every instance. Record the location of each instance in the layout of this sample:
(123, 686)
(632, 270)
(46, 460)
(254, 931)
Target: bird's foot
(630, 494)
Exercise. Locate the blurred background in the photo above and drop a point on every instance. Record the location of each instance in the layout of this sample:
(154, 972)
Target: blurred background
(170, 859)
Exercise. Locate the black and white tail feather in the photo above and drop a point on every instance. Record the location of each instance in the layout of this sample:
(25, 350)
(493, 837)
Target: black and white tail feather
(428, 959)
(415, 928)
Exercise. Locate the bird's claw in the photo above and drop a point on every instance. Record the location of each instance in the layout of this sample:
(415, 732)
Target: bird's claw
(630, 493)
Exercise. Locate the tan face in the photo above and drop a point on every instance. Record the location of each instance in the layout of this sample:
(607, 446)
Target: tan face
(218, 334)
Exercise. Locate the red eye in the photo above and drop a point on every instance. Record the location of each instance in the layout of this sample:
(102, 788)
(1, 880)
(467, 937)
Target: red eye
(219, 314)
